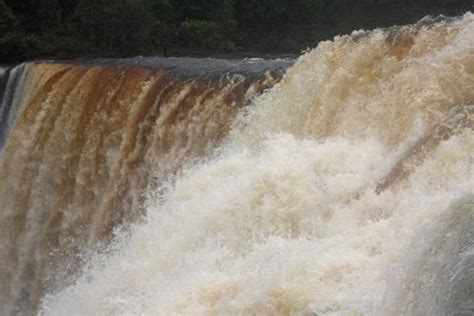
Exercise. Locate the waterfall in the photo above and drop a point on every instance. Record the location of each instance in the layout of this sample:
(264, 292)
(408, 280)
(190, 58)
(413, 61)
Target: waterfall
(10, 95)
(89, 139)
(345, 187)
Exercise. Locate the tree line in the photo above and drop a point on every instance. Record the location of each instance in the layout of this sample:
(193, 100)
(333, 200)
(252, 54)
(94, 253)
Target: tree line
(118, 28)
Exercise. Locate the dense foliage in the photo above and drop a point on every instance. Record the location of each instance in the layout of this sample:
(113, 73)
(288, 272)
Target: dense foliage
(72, 28)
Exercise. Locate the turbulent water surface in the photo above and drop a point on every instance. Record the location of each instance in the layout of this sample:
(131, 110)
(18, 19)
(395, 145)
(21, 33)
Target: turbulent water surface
(345, 189)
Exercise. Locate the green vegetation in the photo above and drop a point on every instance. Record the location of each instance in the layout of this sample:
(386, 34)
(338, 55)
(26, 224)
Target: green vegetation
(118, 28)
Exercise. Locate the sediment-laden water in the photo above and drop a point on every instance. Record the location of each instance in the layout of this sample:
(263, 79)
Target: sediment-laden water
(347, 188)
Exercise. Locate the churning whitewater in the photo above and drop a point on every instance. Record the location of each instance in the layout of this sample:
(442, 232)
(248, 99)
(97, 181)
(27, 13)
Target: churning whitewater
(346, 189)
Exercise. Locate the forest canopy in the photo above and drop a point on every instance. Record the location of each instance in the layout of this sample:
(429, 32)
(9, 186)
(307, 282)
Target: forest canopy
(118, 28)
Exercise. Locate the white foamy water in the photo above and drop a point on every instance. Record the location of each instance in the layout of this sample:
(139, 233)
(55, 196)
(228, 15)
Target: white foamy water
(288, 218)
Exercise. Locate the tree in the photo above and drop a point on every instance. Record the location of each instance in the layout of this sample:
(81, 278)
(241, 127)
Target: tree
(212, 25)
(12, 39)
(117, 27)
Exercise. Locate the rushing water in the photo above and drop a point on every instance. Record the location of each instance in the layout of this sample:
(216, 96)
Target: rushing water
(346, 189)
(87, 142)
